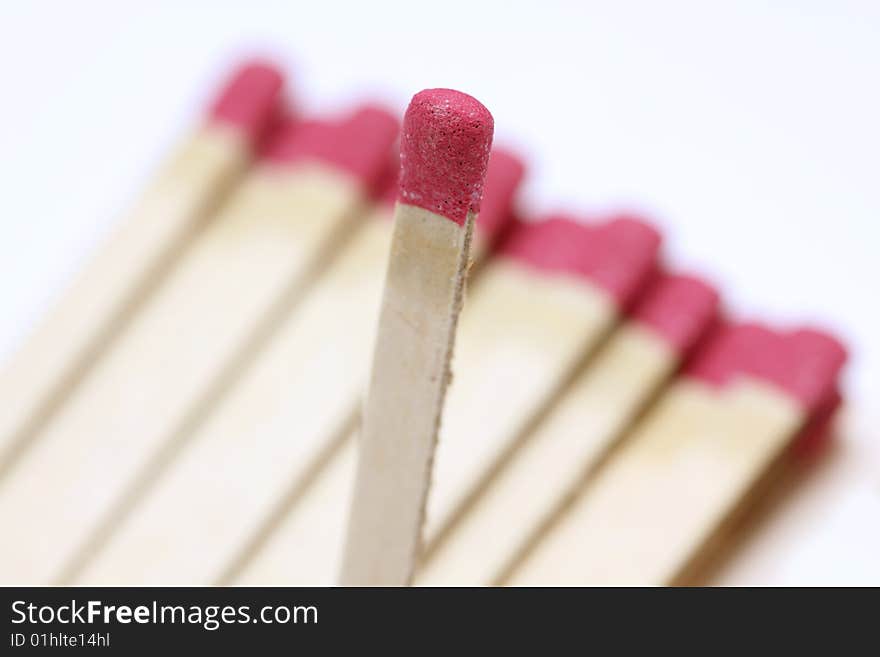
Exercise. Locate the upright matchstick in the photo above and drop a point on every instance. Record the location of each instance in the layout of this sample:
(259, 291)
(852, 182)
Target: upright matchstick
(447, 136)
(53, 360)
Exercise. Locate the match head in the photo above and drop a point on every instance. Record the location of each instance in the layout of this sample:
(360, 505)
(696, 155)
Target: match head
(444, 152)
(803, 363)
(251, 99)
(818, 431)
(503, 178)
(617, 255)
(679, 308)
(359, 144)
(385, 190)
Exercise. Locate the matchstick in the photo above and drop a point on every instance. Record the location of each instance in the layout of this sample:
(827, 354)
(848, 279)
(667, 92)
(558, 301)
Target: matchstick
(580, 430)
(544, 304)
(809, 442)
(220, 497)
(729, 555)
(247, 268)
(692, 461)
(444, 152)
(305, 547)
(105, 294)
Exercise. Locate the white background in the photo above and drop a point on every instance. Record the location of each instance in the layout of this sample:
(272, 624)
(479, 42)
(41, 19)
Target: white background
(749, 131)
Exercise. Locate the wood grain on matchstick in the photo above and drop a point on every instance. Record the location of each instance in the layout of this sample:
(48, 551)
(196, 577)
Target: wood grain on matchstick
(222, 493)
(552, 294)
(120, 274)
(551, 463)
(691, 461)
(445, 147)
(124, 422)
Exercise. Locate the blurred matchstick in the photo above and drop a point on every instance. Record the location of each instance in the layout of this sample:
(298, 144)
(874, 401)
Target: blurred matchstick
(120, 275)
(553, 293)
(125, 421)
(692, 461)
(551, 464)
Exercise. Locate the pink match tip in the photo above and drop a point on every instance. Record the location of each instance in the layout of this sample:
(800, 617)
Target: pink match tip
(359, 144)
(503, 178)
(618, 255)
(385, 189)
(679, 308)
(818, 431)
(250, 100)
(444, 152)
(804, 363)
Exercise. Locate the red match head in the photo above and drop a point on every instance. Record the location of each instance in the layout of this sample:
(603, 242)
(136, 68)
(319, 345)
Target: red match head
(679, 308)
(504, 175)
(444, 152)
(804, 363)
(385, 189)
(358, 144)
(617, 255)
(817, 433)
(251, 99)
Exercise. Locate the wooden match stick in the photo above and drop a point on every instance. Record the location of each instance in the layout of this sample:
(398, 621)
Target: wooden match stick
(692, 461)
(444, 152)
(774, 483)
(120, 274)
(214, 503)
(124, 422)
(551, 464)
(544, 304)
